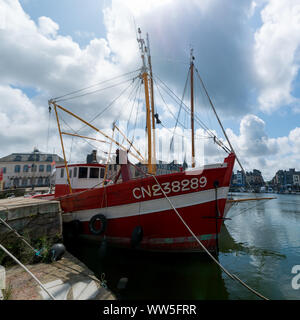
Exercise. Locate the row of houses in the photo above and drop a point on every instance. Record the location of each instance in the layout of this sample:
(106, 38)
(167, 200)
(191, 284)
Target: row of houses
(284, 180)
(35, 169)
(28, 169)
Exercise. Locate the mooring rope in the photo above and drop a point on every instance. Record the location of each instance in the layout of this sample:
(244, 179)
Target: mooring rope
(232, 276)
(32, 275)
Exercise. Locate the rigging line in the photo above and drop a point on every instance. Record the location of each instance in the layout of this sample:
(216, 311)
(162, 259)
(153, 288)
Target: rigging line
(232, 276)
(108, 106)
(133, 93)
(167, 104)
(136, 117)
(181, 135)
(80, 90)
(183, 94)
(224, 132)
(31, 274)
(95, 91)
(82, 138)
(216, 139)
(186, 107)
(138, 87)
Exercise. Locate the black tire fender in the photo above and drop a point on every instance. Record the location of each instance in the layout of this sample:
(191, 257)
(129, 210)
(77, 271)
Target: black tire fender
(102, 228)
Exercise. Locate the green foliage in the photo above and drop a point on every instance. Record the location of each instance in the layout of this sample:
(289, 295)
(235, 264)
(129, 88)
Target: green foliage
(24, 253)
(7, 293)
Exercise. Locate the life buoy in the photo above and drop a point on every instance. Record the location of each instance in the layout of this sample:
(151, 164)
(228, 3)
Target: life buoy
(92, 227)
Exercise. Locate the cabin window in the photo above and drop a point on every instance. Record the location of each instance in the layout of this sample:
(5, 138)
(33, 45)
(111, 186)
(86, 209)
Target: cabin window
(70, 173)
(62, 170)
(94, 172)
(102, 173)
(83, 172)
(75, 172)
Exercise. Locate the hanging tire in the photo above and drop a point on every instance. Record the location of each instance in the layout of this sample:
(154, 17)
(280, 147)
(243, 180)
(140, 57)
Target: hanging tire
(92, 224)
(136, 236)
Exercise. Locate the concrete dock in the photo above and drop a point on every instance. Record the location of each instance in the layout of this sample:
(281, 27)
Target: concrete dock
(66, 279)
(35, 217)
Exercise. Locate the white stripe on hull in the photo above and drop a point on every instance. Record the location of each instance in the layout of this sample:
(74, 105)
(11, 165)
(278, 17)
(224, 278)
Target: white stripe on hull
(150, 206)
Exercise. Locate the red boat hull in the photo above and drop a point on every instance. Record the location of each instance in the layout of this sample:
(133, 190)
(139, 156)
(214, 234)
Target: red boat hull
(142, 203)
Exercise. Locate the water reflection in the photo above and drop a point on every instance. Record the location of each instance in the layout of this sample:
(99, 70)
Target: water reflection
(260, 244)
(155, 275)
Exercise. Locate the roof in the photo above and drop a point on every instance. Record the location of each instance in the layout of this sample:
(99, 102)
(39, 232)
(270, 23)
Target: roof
(33, 156)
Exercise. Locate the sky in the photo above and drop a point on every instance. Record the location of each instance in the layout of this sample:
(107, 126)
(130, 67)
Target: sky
(246, 52)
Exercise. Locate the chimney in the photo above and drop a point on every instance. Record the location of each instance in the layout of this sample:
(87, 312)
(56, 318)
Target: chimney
(94, 156)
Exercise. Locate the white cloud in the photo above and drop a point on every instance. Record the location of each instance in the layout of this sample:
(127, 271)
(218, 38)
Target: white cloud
(257, 150)
(47, 27)
(35, 55)
(277, 45)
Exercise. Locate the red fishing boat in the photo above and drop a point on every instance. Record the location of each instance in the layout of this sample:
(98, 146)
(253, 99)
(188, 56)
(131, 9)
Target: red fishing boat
(109, 202)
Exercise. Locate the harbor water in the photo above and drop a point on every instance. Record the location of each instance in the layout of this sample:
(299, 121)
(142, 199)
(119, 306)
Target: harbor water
(260, 244)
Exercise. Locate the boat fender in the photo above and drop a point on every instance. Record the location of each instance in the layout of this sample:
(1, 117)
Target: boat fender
(136, 236)
(57, 251)
(103, 249)
(92, 227)
(75, 227)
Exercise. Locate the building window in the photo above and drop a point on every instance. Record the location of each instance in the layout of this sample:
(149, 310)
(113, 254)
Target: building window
(94, 173)
(49, 158)
(33, 168)
(17, 158)
(17, 168)
(102, 173)
(16, 182)
(62, 171)
(75, 172)
(40, 181)
(82, 172)
(48, 168)
(41, 168)
(25, 168)
(24, 182)
(47, 181)
(4, 170)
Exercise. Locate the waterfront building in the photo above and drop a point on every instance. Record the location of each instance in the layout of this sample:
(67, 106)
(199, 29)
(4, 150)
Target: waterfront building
(28, 169)
(286, 180)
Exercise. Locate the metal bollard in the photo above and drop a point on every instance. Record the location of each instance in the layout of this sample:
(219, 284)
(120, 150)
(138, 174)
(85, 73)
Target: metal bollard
(2, 281)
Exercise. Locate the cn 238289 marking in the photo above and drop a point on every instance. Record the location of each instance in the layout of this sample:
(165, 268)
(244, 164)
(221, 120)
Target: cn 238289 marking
(174, 186)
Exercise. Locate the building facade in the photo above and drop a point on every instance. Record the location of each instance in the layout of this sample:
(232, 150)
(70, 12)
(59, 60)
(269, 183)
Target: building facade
(286, 180)
(23, 170)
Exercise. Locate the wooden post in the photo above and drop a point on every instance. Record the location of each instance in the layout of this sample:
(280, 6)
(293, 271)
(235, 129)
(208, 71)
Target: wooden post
(63, 149)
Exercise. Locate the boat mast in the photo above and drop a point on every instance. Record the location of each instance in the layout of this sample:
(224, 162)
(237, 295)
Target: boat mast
(192, 107)
(152, 104)
(148, 111)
